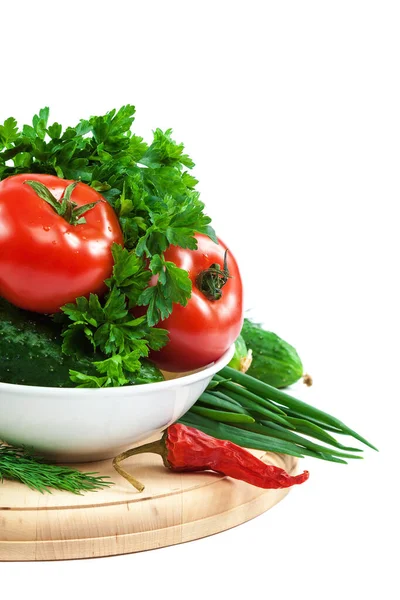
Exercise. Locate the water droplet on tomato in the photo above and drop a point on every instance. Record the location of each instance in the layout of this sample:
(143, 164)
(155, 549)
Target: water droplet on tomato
(46, 227)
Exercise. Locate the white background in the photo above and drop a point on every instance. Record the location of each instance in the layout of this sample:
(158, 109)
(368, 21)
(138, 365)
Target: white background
(291, 111)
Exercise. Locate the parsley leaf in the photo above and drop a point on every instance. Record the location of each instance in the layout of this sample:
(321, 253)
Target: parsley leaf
(130, 274)
(109, 327)
(87, 381)
(8, 132)
(173, 285)
(165, 152)
(174, 223)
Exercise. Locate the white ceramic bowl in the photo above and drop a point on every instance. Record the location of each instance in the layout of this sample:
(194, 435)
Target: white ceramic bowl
(78, 425)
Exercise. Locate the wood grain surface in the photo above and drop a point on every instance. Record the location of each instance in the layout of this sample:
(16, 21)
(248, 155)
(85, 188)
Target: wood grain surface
(173, 508)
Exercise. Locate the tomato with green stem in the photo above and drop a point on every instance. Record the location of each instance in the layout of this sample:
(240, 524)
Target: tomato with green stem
(205, 328)
(55, 241)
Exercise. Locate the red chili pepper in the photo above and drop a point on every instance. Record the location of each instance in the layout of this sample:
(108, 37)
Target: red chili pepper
(184, 448)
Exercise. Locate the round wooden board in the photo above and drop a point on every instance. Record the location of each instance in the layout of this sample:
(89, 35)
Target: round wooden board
(174, 508)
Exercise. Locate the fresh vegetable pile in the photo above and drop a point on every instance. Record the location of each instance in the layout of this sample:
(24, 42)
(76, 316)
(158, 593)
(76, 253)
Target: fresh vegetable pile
(96, 225)
(110, 272)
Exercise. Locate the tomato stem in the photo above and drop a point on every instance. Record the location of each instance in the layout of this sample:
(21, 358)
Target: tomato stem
(211, 281)
(66, 208)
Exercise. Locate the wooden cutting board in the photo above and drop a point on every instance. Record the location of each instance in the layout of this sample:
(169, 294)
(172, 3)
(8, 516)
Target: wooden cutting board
(173, 508)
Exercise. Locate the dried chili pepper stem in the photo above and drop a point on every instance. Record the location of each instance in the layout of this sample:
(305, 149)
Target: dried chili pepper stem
(184, 448)
(157, 447)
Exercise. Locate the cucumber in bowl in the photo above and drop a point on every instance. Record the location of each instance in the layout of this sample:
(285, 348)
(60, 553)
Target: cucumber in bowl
(31, 352)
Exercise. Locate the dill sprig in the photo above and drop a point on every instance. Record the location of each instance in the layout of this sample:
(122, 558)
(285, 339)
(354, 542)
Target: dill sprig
(19, 464)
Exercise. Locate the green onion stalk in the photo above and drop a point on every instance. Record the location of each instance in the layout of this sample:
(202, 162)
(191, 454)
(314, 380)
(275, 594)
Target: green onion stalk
(248, 412)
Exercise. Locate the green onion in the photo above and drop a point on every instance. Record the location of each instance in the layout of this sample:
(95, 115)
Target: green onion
(256, 409)
(247, 439)
(221, 415)
(282, 433)
(250, 413)
(233, 387)
(220, 403)
(229, 398)
(312, 430)
(259, 387)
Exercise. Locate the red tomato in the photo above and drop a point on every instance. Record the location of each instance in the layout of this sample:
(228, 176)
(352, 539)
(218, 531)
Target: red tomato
(203, 330)
(45, 261)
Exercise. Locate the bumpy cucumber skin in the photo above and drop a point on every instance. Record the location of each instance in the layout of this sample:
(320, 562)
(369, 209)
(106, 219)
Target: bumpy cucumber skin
(274, 361)
(30, 352)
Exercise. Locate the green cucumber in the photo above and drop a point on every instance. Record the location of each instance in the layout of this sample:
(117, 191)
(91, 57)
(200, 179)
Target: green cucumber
(31, 354)
(242, 358)
(30, 350)
(274, 361)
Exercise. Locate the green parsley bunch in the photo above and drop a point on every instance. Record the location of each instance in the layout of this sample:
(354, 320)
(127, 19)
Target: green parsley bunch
(154, 196)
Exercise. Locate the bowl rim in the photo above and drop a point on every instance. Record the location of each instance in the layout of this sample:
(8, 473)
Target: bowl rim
(146, 388)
